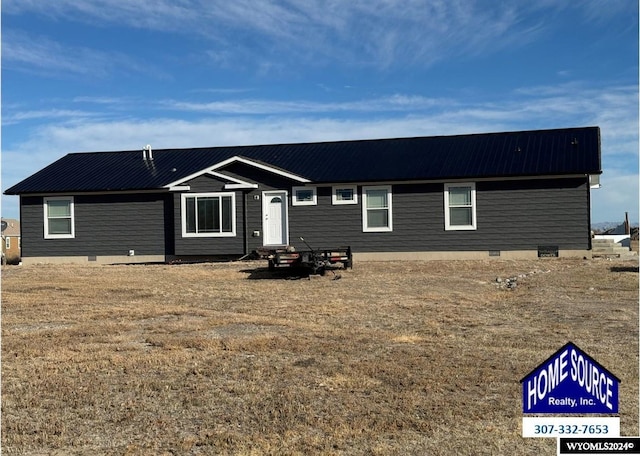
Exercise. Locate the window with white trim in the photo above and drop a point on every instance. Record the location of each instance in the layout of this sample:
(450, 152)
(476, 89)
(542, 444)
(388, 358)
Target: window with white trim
(208, 214)
(376, 209)
(7, 243)
(59, 222)
(344, 194)
(304, 196)
(460, 206)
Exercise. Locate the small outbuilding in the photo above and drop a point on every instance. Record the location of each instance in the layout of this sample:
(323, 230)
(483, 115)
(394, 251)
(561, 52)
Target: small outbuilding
(520, 194)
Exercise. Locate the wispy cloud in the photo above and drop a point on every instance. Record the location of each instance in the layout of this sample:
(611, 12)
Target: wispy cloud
(68, 111)
(223, 91)
(41, 54)
(50, 141)
(396, 102)
(614, 109)
(103, 100)
(607, 109)
(358, 32)
(148, 14)
(279, 37)
(14, 117)
(598, 12)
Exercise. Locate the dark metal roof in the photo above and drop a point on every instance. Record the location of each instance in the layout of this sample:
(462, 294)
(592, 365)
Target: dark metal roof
(567, 151)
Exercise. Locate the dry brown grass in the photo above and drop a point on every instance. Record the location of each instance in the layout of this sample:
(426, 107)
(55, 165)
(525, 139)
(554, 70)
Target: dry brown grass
(394, 358)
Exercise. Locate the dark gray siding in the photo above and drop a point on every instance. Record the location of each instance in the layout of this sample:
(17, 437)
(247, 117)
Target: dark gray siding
(326, 225)
(248, 213)
(511, 215)
(110, 224)
(254, 213)
(208, 246)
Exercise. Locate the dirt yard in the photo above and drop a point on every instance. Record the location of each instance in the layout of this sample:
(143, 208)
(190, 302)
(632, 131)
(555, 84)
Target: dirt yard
(410, 358)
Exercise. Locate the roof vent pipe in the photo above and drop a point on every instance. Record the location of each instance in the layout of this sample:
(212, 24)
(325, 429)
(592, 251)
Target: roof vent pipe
(146, 152)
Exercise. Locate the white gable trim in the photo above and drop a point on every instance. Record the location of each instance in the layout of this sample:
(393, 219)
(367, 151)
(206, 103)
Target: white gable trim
(262, 166)
(237, 183)
(238, 159)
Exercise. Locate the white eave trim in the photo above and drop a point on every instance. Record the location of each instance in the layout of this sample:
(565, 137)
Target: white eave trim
(109, 192)
(238, 184)
(451, 180)
(594, 181)
(180, 188)
(238, 159)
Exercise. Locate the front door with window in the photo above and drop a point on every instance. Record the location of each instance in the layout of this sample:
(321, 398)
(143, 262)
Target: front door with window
(275, 224)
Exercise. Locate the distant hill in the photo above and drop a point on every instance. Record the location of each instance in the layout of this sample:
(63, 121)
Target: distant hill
(603, 226)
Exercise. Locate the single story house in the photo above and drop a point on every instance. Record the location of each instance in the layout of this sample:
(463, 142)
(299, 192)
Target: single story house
(520, 194)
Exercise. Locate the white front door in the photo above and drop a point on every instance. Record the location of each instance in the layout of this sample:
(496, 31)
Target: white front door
(274, 218)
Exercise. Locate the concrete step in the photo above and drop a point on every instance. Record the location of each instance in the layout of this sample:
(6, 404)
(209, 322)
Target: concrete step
(603, 242)
(609, 248)
(624, 256)
(619, 252)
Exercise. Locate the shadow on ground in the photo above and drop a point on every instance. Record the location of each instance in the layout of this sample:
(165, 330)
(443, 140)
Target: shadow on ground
(625, 269)
(286, 274)
(278, 274)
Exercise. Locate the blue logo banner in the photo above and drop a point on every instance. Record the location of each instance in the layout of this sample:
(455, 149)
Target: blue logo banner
(570, 382)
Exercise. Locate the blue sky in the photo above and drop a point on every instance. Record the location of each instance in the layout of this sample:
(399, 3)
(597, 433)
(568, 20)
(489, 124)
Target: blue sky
(98, 75)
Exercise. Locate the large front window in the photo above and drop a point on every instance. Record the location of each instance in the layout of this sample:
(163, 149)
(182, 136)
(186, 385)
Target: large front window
(460, 206)
(59, 217)
(376, 208)
(208, 214)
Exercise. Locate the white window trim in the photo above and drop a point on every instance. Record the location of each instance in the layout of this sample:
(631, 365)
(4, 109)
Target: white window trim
(7, 243)
(334, 194)
(447, 221)
(365, 227)
(183, 211)
(46, 217)
(314, 196)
